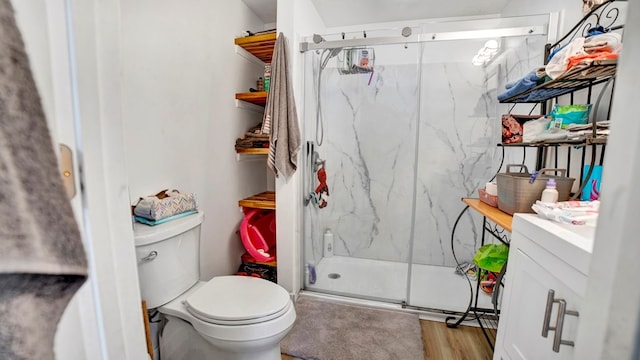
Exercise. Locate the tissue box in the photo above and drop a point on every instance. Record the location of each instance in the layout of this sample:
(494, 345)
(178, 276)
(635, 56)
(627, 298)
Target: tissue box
(512, 127)
(165, 204)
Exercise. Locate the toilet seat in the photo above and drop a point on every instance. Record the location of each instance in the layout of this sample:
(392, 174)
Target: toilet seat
(238, 300)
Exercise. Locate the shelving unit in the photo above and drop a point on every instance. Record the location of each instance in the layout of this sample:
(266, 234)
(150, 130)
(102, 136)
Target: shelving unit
(487, 318)
(495, 222)
(579, 78)
(261, 46)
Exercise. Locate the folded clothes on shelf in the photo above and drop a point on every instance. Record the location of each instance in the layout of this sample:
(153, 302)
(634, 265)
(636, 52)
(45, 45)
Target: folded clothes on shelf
(581, 52)
(253, 138)
(529, 81)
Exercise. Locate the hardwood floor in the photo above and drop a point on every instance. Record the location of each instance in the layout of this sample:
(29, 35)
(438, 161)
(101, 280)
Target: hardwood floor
(462, 343)
(443, 343)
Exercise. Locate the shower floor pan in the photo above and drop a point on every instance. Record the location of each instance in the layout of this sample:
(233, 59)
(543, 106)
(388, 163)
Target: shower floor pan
(435, 287)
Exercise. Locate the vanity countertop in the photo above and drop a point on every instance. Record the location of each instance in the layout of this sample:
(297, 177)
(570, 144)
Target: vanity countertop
(572, 243)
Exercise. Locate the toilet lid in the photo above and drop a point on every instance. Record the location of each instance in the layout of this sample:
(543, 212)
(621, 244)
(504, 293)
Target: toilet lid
(236, 300)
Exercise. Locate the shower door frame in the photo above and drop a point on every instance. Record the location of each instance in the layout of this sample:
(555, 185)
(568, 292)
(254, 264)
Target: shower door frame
(550, 30)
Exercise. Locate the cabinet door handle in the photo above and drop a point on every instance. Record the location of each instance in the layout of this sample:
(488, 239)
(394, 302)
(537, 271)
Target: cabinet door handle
(557, 338)
(547, 314)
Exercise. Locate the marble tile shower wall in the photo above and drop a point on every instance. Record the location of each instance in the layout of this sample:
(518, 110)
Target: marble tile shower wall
(449, 111)
(369, 148)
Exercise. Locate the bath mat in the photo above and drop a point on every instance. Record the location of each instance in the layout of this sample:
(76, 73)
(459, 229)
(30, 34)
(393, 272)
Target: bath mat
(326, 330)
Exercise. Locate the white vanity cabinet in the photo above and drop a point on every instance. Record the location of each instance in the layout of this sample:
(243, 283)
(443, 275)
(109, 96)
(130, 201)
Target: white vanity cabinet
(545, 284)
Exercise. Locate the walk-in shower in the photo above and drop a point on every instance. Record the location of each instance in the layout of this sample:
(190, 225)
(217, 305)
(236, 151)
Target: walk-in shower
(394, 149)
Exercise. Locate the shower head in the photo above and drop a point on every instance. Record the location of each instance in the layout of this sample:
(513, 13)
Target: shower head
(328, 53)
(331, 52)
(317, 39)
(334, 51)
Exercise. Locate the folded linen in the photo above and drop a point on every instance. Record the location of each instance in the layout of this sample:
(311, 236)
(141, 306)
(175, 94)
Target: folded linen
(581, 50)
(529, 81)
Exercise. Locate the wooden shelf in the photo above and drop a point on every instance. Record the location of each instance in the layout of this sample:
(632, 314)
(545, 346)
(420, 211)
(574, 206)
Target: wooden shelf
(253, 151)
(260, 46)
(264, 200)
(258, 98)
(494, 214)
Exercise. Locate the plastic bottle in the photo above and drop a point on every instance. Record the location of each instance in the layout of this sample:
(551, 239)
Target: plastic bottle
(550, 193)
(328, 243)
(311, 273)
(266, 80)
(260, 84)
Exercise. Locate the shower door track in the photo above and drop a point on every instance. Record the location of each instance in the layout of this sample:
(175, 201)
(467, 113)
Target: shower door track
(427, 37)
(383, 304)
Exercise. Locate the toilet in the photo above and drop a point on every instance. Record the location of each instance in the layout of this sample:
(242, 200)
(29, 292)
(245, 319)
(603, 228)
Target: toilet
(225, 318)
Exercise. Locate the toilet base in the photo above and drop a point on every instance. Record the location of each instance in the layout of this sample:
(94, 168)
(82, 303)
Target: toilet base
(180, 341)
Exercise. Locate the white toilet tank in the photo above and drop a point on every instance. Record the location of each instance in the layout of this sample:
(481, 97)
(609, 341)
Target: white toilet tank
(168, 258)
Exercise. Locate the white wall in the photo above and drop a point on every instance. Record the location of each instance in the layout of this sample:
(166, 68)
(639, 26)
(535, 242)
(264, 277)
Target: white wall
(96, 30)
(180, 73)
(296, 19)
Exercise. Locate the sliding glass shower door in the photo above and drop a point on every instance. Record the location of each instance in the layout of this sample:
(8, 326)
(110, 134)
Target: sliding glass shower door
(460, 128)
(359, 243)
(401, 141)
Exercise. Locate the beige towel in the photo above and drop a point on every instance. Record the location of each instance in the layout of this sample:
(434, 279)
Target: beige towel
(42, 261)
(280, 115)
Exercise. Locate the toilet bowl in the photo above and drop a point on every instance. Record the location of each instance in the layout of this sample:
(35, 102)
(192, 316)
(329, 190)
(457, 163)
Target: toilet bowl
(238, 317)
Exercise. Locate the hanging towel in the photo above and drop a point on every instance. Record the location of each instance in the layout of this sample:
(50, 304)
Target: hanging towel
(280, 117)
(42, 261)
